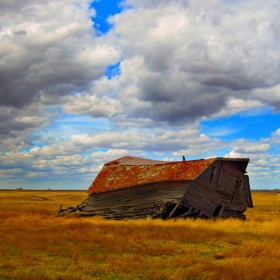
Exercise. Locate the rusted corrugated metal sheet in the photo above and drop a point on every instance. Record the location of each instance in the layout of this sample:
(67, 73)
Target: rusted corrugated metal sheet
(130, 171)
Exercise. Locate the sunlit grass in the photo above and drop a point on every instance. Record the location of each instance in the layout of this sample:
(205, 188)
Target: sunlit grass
(34, 244)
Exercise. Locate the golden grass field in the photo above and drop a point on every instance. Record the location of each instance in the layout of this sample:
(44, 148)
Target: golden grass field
(34, 244)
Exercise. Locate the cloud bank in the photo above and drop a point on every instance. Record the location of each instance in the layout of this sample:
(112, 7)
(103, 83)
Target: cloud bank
(179, 62)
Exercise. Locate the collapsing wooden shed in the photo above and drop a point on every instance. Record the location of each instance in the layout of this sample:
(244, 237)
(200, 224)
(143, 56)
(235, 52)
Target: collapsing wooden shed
(136, 188)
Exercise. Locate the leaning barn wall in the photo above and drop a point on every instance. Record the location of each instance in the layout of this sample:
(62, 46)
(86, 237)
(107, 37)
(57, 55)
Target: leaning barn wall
(135, 202)
(221, 187)
(201, 191)
(230, 188)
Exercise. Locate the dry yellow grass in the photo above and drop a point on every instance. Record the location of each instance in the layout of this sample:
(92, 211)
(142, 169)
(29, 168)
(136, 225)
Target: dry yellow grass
(36, 245)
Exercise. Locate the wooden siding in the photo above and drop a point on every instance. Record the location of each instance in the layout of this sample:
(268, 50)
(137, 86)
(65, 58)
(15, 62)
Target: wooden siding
(248, 191)
(231, 190)
(225, 187)
(202, 189)
(199, 198)
(138, 202)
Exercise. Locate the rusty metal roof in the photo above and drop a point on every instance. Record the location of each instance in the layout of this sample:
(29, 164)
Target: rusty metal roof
(128, 171)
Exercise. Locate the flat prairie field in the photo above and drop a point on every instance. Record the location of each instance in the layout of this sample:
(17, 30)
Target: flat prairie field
(34, 244)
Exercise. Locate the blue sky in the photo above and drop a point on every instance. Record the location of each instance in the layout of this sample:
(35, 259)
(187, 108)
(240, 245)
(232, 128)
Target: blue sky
(105, 9)
(83, 83)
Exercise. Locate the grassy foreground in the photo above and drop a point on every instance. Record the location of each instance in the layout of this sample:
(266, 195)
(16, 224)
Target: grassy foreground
(34, 244)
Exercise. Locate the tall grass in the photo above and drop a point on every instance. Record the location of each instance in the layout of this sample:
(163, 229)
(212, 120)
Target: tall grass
(34, 244)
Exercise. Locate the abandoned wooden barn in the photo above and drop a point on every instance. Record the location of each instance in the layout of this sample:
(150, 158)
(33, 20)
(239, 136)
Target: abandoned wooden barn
(136, 188)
